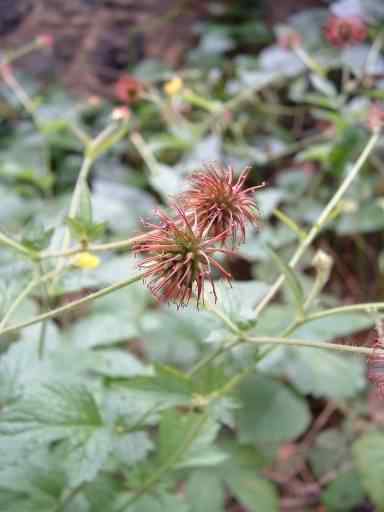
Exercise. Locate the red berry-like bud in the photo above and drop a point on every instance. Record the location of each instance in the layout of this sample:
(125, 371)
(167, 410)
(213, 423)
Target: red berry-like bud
(178, 258)
(375, 118)
(45, 40)
(128, 89)
(289, 39)
(345, 31)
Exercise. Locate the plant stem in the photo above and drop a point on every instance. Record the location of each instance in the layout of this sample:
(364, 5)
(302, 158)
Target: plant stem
(74, 304)
(67, 500)
(120, 244)
(211, 356)
(23, 294)
(45, 308)
(6, 240)
(316, 228)
(75, 203)
(145, 153)
(168, 464)
(368, 307)
(276, 340)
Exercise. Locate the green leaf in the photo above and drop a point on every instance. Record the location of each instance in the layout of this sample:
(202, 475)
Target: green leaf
(83, 230)
(238, 300)
(270, 412)
(162, 502)
(291, 280)
(327, 329)
(67, 413)
(368, 452)
(172, 336)
(344, 493)
(330, 450)
(323, 373)
(323, 85)
(132, 447)
(168, 387)
(187, 439)
(36, 237)
(166, 181)
(205, 492)
(252, 491)
(32, 485)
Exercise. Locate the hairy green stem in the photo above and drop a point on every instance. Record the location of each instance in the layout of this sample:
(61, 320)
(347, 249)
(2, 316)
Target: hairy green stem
(276, 340)
(120, 244)
(6, 240)
(74, 304)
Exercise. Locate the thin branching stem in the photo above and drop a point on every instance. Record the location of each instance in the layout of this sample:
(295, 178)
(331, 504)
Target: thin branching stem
(71, 305)
(324, 216)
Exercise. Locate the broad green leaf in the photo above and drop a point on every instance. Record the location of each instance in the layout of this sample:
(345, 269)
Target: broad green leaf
(368, 218)
(329, 328)
(166, 181)
(167, 387)
(270, 412)
(102, 493)
(323, 85)
(252, 491)
(239, 299)
(173, 337)
(21, 366)
(205, 492)
(344, 493)
(368, 452)
(132, 447)
(67, 413)
(330, 450)
(187, 440)
(32, 486)
(267, 200)
(162, 502)
(323, 373)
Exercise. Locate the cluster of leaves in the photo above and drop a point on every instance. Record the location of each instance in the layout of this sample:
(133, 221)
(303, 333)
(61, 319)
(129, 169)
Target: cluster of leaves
(119, 405)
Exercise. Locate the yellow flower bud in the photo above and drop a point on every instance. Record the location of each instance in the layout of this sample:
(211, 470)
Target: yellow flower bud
(173, 86)
(86, 260)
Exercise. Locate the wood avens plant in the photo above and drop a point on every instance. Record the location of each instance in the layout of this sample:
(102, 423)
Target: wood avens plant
(100, 415)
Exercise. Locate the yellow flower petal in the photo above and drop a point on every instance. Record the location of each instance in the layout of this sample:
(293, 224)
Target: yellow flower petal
(173, 86)
(86, 260)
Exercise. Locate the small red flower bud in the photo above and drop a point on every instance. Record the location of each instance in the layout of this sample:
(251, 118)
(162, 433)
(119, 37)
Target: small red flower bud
(128, 89)
(345, 31)
(121, 114)
(221, 202)
(375, 118)
(45, 40)
(288, 40)
(178, 258)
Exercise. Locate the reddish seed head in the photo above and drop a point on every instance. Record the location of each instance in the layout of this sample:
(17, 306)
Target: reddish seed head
(128, 89)
(221, 202)
(376, 367)
(178, 258)
(345, 31)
